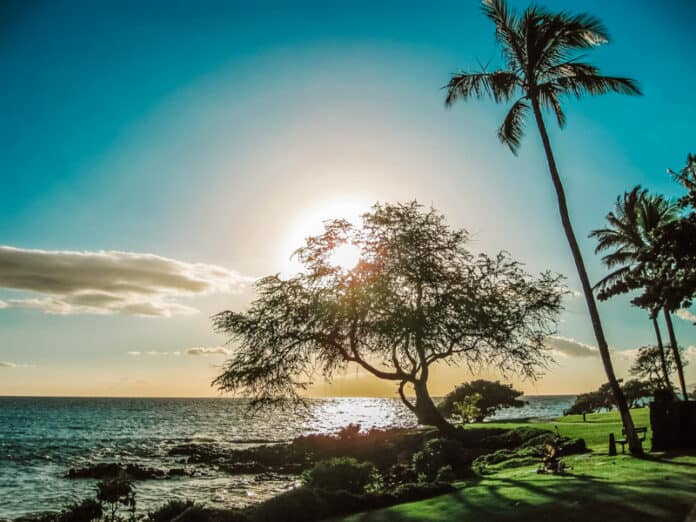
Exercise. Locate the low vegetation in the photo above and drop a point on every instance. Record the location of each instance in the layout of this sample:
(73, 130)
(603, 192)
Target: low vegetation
(658, 486)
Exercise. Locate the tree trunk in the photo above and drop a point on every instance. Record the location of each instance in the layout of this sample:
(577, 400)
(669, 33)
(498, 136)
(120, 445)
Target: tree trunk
(663, 358)
(633, 442)
(428, 414)
(675, 353)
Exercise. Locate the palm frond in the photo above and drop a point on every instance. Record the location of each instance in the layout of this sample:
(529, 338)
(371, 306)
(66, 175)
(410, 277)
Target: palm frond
(611, 279)
(548, 97)
(512, 129)
(499, 85)
(506, 31)
(595, 84)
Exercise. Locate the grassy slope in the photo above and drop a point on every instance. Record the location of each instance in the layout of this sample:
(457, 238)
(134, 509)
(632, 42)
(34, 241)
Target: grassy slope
(599, 488)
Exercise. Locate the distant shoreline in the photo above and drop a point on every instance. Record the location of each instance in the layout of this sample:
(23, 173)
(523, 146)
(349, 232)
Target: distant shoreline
(549, 395)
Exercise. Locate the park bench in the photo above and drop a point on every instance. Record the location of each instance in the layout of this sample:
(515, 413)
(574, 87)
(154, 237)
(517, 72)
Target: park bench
(640, 432)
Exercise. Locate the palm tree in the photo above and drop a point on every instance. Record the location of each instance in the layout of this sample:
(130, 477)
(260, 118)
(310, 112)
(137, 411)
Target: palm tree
(539, 48)
(630, 232)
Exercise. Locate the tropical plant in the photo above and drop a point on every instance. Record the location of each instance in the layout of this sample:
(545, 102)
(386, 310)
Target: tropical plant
(486, 397)
(630, 235)
(541, 67)
(416, 297)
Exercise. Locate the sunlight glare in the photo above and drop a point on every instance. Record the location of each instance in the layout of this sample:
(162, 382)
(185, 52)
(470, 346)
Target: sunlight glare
(310, 221)
(345, 256)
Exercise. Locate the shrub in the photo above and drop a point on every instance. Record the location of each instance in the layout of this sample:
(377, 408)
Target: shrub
(411, 492)
(435, 454)
(297, 505)
(340, 473)
(445, 474)
(114, 493)
(169, 511)
(466, 409)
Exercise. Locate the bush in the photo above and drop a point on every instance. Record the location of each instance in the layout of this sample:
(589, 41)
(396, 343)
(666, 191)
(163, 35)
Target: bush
(297, 505)
(412, 492)
(169, 511)
(527, 454)
(340, 473)
(436, 453)
(445, 474)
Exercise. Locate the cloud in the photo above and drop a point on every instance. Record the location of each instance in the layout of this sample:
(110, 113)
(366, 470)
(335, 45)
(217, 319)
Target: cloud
(6, 364)
(569, 347)
(685, 314)
(217, 350)
(154, 353)
(108, 282)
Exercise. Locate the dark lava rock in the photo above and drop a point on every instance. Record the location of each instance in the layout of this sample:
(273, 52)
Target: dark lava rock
(112, 470)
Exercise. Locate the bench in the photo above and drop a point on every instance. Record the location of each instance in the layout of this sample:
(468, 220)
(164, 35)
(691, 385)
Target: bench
(640, 432)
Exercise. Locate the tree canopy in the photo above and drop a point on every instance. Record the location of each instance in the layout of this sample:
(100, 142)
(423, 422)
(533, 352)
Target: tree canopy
(416, 297)
(647, 366)
(489, 397)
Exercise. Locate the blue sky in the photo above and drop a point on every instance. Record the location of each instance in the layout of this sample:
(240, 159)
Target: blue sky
(220, 133)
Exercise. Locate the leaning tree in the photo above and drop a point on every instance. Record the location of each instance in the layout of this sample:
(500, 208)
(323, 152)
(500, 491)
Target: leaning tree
(417, 297)
(542, 67)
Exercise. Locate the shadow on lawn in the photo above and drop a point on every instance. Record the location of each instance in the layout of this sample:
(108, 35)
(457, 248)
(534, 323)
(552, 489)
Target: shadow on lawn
(570, 498)
(668, 458)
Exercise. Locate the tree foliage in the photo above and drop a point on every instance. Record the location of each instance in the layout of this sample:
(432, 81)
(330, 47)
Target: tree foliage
(648, 367)
(417, 297)
(628, 239)
(603, 398)
(490, 397)
(540, 50)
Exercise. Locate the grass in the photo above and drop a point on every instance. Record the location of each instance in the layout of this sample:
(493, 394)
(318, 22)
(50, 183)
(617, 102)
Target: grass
(599, 488)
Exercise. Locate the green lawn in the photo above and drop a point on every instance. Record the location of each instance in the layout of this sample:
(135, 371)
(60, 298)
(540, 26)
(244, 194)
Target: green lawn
(598, 488)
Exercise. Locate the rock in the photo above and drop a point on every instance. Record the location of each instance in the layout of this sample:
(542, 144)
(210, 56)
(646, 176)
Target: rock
(112, 470)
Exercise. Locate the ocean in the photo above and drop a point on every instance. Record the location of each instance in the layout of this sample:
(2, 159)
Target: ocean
(42, 438)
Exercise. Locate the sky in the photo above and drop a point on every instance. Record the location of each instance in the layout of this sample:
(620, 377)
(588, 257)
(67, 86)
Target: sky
(157, 157)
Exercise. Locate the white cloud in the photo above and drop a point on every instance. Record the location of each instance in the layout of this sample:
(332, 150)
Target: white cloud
(569, 347)
(685, 314)
(216, 350)
(107, 282)
(154, 353)
(6, 364)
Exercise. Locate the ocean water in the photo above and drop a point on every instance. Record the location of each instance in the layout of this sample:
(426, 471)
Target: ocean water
(42, 438)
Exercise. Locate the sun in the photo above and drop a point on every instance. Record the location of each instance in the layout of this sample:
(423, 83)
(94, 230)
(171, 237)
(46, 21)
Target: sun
(309, 221)
(345, 256)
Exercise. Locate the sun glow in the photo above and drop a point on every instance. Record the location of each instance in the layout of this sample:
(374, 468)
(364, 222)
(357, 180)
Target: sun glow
(345, 256)
(310, 221)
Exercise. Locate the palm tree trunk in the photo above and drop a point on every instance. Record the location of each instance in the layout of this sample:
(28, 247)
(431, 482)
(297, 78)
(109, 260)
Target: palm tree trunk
(663, 358)
(633, 442)
(675, 353)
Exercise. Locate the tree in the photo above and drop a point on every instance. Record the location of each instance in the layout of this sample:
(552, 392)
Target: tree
(539, 48)
(417, 297)
(630, 238)
(491, 397)
(636, 391)
(603, 398)
(651, 364)
(598, 400)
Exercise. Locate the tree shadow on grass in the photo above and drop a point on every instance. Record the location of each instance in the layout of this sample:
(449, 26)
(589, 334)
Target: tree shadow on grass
(570, 498)
(668, 457)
